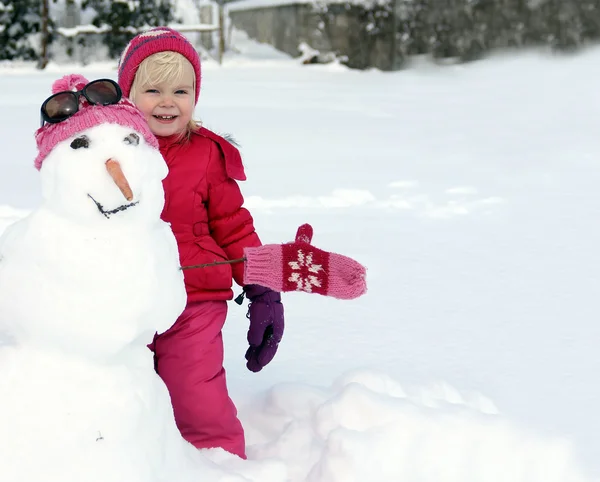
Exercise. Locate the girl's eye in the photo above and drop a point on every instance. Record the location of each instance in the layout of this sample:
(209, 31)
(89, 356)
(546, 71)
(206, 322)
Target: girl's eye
(181, 92)
(151, 91)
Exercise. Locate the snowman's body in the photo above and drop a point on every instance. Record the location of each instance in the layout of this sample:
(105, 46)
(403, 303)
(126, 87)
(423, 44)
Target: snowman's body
(85, 282)
(89, 290)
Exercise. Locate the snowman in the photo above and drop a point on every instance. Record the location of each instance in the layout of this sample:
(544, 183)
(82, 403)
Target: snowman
(86, 280)
(93, 270)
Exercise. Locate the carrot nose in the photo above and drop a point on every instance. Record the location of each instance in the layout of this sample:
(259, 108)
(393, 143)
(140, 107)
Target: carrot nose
(114, 169)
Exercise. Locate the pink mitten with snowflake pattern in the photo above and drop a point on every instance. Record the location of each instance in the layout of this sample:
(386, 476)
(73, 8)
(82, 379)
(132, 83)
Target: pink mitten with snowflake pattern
(299, 266)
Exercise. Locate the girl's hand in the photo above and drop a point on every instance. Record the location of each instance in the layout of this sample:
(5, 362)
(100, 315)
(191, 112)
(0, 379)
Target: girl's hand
(265, 313)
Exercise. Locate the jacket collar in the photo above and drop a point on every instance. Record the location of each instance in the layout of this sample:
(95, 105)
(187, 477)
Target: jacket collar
(168, 141)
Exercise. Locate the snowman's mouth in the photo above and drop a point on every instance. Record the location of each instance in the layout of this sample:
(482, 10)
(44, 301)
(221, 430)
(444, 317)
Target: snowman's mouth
(109, 213)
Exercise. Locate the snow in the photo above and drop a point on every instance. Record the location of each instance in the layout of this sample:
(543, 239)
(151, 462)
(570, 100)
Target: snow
(239, 5)
(365, 427)
(469, 192)
(252, 4)
(80, 29)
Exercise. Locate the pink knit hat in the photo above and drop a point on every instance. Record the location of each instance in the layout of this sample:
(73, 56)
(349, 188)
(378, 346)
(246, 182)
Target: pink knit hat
(299, 266)
(124, 113)
(159, 39)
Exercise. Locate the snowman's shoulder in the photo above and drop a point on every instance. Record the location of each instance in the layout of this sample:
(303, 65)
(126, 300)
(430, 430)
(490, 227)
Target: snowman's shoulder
(233, 159)
(12, 235)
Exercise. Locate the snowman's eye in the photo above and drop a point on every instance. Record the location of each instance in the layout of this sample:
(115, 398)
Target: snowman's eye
(132, 139)
(81, 141)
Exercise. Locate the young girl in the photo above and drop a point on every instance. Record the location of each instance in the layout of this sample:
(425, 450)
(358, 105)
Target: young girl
(160, 71)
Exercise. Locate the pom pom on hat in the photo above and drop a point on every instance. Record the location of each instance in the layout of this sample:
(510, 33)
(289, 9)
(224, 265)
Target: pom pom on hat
(73, 82)
(124, 113)
(299, 266)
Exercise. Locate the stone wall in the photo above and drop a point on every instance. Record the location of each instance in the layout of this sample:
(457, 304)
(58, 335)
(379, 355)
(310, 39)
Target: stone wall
(370, 35)
(363, 36)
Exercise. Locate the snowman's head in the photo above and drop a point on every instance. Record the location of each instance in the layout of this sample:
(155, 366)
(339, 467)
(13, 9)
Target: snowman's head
(100, 164)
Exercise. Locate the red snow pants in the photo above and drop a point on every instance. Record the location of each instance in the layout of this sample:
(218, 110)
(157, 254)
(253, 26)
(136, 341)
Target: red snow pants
(189, 359)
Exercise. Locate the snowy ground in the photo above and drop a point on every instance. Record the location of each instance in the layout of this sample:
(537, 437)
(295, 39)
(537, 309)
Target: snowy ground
(470, 193)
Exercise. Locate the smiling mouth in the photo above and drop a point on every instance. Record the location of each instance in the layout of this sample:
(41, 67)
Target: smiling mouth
(165, 118)
(107, 214)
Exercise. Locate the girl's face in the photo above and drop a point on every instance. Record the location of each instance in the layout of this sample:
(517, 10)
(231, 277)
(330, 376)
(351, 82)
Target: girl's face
(168, 107)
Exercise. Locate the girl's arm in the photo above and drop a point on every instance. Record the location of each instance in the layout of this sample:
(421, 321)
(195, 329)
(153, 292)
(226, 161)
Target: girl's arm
(230, 224)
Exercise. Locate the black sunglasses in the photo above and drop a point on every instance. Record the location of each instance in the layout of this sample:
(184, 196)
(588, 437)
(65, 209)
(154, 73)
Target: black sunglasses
(62, 105)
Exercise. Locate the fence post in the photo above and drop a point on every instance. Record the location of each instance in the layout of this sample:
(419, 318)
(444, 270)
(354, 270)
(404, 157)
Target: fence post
(394, 35)
(221, 32)
(207, 17)
(43, 61)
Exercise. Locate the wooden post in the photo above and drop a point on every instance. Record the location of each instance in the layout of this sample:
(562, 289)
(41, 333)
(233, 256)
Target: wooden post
(72, 20)
(229, 39)
(43, 61)
(221, 32)
(207, 18)
(394, 39)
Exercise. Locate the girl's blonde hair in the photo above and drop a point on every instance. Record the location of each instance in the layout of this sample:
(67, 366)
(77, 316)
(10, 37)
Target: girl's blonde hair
(163, 67)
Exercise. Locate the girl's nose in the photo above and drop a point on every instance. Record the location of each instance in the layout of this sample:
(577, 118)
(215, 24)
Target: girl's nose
(166, 100)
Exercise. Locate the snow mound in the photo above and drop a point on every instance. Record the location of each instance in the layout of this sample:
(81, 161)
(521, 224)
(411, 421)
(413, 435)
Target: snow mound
(368, 427)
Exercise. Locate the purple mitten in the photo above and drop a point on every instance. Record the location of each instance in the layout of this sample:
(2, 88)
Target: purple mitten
(265, 313)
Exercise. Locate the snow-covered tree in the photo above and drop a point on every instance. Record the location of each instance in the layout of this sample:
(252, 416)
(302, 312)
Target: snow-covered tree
(20, 24)
(122, 16)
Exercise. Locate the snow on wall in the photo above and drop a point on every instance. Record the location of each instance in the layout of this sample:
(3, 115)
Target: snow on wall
(253, 4)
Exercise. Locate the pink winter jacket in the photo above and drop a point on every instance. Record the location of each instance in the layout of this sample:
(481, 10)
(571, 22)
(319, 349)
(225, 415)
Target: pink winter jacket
(203, 204)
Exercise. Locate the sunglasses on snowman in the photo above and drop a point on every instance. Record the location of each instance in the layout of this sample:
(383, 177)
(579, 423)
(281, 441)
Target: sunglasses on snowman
(62, 105)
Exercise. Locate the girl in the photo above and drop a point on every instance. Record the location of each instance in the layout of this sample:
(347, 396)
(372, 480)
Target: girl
(160, 71)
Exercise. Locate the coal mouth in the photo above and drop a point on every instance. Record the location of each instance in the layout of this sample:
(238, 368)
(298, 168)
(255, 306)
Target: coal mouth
(108, 213)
